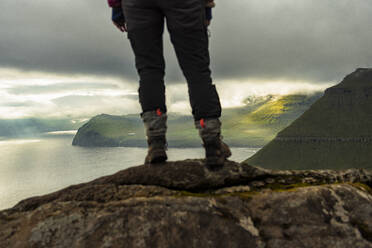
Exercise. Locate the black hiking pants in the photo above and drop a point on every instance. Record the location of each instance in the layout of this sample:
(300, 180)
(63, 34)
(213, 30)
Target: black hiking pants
(188, 33)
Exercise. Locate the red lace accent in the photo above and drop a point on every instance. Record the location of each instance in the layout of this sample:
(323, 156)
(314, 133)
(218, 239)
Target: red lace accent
(202, 123)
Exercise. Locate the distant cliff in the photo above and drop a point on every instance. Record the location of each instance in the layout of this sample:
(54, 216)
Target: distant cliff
(182, 204)
(108, 130)
(254, 124)
(336, 132)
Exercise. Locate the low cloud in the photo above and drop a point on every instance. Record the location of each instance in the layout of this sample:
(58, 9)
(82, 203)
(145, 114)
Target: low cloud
(19, 104)
(58, 88)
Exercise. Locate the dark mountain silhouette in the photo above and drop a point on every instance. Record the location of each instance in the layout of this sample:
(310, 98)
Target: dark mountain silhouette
(336, 132)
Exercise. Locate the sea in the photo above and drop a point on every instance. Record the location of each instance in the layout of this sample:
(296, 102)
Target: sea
(40, 165)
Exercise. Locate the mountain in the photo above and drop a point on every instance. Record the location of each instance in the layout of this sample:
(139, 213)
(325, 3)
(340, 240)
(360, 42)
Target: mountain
(254, 124)
(336, 132)
(182, 204)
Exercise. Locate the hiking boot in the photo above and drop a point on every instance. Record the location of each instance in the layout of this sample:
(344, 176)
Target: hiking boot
(155, 126)
(216, 151)
(156, 150)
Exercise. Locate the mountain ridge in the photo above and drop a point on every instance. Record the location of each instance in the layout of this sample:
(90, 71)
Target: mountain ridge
(253, 125)
(335, 132)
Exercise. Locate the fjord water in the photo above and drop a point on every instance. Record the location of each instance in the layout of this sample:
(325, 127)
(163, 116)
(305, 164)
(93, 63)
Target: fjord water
(37, 166)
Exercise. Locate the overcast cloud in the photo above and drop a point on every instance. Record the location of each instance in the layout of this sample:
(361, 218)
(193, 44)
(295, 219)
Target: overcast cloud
(66, 58)
(59, 87)
(312, 40)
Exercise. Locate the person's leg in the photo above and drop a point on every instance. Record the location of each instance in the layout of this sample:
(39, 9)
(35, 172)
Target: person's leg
(145, 23)
(186, 25)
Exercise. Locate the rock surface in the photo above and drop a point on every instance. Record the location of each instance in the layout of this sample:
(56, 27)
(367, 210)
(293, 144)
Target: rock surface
(335, 133)
(182, 204)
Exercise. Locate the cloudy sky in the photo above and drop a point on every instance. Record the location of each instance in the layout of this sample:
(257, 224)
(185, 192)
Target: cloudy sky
(65, 58)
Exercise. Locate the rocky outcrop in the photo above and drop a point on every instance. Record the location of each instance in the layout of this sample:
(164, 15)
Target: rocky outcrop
(335, 133)
(182, 204)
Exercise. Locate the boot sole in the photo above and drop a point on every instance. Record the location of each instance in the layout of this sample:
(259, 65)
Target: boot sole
(157, 160)
(214, 163)
(158, 157)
